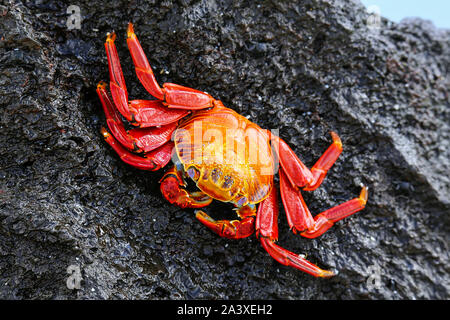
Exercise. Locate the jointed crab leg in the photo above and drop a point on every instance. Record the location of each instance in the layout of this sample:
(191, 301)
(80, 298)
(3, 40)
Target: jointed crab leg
(138, 140)
(298, 216)
(300, 219)
(294, 175)
(144, 113)
(321, 167)
(149, 113)
(299, 175)
(152, 161)
(231, 229)
(143, 69)
(172, 95)
(325, 220)
(291, 259)
(267, 231)
(172, 188)
(117, 82)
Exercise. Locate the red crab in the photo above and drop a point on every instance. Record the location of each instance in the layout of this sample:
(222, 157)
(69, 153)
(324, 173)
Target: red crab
(238, 169)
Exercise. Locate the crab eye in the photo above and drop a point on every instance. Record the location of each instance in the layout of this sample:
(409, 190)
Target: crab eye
(193, 173)
(242, 201)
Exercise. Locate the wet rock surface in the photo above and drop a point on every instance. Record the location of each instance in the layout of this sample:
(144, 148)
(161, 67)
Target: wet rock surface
(305, 69)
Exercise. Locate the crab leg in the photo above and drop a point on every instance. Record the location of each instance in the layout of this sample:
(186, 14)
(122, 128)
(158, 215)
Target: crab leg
(297, 173)
(172, 188)
(172, 95)
(117, 82)
(150, 113)
(267, 231)
(234, 229)
(298, 216)
(143, 69)
(300, 219)
(321, 167)
(151, 161)
(145, 113)
(138, 140)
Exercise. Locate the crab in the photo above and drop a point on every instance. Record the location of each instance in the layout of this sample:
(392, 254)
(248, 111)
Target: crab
(228, 157)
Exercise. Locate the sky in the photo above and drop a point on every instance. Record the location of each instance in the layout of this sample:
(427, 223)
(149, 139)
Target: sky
(437, 11)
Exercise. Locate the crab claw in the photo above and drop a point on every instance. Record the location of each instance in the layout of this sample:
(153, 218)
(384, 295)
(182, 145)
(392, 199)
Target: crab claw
(172, 188)
(231, 229)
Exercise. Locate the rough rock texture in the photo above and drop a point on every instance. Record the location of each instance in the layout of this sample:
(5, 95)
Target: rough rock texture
(305, 68)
